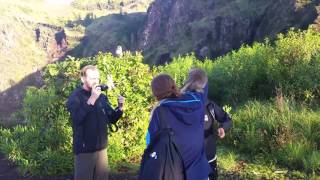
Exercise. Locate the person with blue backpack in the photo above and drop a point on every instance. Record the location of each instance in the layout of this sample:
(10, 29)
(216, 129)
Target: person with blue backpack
(182, 115)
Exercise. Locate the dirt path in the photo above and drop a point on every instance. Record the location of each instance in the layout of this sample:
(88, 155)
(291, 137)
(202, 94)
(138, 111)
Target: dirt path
(8, 171)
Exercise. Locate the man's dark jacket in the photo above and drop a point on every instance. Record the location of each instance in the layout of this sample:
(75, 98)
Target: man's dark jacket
(217, 115)
(89, 122)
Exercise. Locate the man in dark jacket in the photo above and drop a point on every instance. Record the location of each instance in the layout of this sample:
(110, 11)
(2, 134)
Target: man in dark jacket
(90, 113)
(214, 114)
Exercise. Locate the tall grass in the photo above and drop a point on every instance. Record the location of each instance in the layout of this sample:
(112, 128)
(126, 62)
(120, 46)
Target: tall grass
(288, 134)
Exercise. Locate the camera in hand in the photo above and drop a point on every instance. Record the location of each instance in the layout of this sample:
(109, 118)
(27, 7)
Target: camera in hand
(103, 87)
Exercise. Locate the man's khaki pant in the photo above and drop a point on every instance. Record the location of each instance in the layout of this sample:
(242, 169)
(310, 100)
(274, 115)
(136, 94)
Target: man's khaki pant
(91, 166)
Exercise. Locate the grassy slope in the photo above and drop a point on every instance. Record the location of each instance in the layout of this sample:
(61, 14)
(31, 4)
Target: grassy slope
(20, 54)
(18, 20)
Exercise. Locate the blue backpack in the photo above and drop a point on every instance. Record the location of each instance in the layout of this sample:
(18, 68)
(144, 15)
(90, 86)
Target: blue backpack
(161, 159)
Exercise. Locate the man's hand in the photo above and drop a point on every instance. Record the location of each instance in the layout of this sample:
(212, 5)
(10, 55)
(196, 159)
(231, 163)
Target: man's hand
(120, 102)
(95, 93)
(110, 83)
(221, 133)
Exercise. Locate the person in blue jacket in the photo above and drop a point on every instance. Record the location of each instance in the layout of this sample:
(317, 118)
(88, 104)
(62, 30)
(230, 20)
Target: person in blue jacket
(186, 118)
(213, 113)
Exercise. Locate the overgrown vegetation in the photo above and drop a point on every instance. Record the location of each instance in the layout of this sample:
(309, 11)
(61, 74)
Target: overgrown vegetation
(50, 135)
(290, 67)
(20, 52)
(280, 133)
(24, 53)
(273, 90)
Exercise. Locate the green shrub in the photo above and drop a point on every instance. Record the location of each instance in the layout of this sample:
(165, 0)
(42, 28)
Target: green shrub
(44, 145)
(132, 80)
(180, 67)
(290, 66)
(288, 135)
(297, 64)
(255, 72)
(281, 131)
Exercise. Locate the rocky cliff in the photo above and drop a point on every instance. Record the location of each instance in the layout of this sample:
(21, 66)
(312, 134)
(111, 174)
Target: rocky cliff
(211, 28)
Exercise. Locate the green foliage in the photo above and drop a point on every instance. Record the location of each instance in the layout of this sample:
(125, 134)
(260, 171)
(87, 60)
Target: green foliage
(132, 80)
(297, 64)
(256, 72)
(285, 134)
(44, 145)
(290, 66)
(241, 75)
(278, 132)
(282, 132)
(227, 159)
(236, 165)
(180, 67)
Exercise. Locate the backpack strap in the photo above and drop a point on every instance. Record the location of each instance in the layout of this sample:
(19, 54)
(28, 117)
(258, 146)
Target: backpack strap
(162, 119)
(211, 113)
(210, 108)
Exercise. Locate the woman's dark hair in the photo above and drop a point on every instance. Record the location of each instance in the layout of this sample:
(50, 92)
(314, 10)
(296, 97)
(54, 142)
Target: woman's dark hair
(163, 86)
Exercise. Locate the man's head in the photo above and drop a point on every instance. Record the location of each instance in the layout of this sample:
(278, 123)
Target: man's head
(163, 86)
(89, 76)
(197, 79)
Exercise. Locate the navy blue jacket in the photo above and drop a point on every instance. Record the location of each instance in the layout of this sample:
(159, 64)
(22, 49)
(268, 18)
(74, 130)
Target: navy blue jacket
(214, 113)
(89, 123)
(185, 115)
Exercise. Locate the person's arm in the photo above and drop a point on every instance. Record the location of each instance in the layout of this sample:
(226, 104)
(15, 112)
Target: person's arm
(115, 114)
(153, 126)
(148, 138)
(222, 117)
(78, 110)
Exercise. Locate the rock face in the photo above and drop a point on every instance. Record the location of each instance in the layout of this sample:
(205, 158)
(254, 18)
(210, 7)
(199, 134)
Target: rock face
(53, 40)
(212, 28)
(106, 33)
(26, 47)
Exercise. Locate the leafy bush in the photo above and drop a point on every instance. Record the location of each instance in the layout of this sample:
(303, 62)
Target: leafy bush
(132, 80)
(180, 67)
(296, 66)
(44, 145)
(290, 66)
(287, 134)
(257, 71)
(281, 132)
